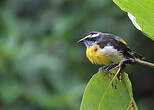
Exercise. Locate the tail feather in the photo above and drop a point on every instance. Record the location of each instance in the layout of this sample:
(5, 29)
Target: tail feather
(137, 55)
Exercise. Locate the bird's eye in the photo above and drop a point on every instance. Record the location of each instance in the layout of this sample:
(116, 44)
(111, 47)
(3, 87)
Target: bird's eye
(92, 39)
(93, 36)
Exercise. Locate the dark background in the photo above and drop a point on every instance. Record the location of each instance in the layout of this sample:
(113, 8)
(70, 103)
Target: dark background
(41, 65)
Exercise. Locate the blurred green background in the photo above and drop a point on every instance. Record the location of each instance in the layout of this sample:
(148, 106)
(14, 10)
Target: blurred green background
(41, 65)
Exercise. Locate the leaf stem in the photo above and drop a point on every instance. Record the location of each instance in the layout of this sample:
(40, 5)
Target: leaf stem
(141, 62)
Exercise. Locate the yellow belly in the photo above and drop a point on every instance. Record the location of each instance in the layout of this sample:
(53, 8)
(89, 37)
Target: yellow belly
(99, 56)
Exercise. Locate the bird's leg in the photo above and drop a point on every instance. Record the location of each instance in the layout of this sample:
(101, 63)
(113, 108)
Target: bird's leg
(104, 68)
(122, 65)
(111, 67)
(107, 68)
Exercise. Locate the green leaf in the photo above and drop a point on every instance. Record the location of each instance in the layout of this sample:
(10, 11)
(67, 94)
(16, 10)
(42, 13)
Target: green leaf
(141, 12)
(103, 94)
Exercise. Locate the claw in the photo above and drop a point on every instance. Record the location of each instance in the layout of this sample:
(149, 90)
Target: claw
(106, 72)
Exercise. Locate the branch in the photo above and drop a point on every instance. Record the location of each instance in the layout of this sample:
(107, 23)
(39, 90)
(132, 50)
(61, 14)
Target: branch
(141, 62)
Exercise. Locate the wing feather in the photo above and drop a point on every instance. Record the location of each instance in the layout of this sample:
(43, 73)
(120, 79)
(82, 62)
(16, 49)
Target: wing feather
(119, 44)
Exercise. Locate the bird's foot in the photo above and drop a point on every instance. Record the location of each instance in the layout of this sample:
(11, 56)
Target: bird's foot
(105, 70)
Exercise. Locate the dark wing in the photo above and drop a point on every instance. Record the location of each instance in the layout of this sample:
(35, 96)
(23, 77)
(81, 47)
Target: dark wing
(119, 44)
(129, 52)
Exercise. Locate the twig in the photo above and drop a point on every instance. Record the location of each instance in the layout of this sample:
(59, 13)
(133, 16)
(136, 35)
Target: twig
(141, 62)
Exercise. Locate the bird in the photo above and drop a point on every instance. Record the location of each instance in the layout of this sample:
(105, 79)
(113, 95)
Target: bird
(108, 50)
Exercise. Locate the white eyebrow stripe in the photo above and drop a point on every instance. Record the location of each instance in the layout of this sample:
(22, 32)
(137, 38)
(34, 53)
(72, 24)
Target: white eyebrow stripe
(88, 36)
(95, 35)
(91, 36)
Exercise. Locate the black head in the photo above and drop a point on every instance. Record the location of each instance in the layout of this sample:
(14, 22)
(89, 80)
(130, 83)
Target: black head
(90, 39)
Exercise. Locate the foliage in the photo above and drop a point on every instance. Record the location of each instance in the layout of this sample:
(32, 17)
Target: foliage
(99, 93)
(143, 12)
(42, 67)
(104, 92)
